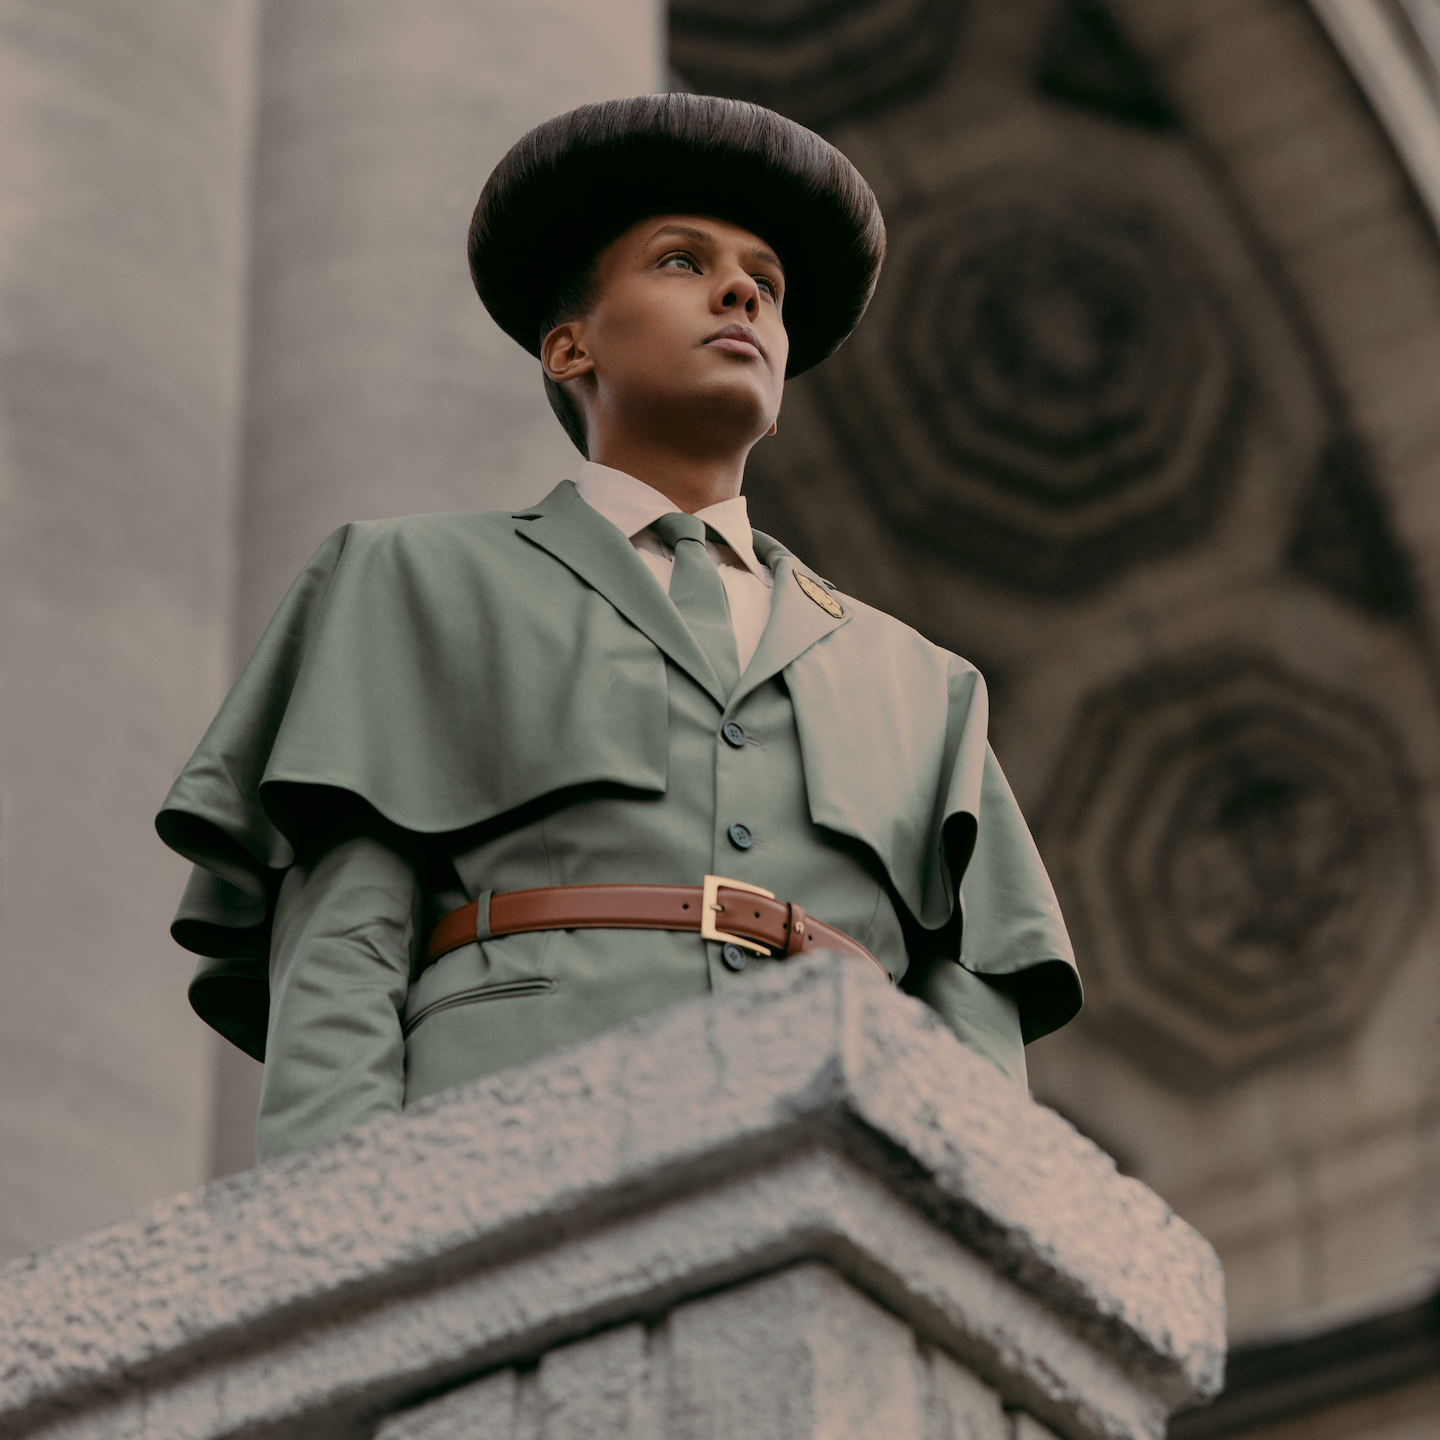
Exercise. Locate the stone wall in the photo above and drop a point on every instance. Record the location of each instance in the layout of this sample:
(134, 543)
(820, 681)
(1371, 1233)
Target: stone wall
(800, 1210)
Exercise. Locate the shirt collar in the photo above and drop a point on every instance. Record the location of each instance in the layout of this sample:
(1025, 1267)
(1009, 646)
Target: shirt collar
(632, 506)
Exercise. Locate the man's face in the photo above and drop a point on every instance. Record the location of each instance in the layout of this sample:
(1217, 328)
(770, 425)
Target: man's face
(684, 334)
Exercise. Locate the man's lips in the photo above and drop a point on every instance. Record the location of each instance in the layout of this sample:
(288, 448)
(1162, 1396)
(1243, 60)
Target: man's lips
(737, 340)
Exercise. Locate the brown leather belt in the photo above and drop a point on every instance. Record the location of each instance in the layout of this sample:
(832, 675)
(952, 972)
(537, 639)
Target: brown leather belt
(725, 910)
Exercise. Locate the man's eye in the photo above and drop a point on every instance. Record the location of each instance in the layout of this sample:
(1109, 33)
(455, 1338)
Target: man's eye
(768, 286)
(679, 262)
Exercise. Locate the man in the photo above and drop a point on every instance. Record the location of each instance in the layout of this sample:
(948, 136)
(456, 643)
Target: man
(492, 783)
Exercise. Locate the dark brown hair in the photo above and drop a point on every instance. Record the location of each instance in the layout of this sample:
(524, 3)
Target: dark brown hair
(575, 183)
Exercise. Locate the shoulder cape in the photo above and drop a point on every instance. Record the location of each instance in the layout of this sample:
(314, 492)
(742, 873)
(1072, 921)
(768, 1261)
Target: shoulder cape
(408, 648)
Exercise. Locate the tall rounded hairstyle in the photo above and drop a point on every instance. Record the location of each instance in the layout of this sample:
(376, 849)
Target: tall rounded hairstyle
(572, 185)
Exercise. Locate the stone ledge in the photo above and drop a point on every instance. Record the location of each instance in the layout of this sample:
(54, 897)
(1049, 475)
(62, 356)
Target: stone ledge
(814, 1114)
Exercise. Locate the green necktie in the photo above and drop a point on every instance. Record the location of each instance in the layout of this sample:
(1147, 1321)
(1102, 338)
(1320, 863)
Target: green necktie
(699, 594)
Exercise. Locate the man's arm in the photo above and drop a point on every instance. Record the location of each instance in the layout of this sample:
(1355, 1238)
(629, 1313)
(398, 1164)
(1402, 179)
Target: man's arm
(1014, 977)
(346, 925)
(979, 1010)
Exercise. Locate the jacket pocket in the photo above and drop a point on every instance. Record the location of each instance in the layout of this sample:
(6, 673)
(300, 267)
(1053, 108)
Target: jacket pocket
(505, 990)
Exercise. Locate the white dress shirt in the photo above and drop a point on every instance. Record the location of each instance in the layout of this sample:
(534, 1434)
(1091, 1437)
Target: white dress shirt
(633, 506)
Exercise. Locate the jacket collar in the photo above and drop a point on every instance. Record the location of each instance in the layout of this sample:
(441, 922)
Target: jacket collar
(796, 621)
(631, 505)
(587, 543)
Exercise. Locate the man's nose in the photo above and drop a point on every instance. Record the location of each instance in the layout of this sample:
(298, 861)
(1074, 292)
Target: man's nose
(742, 291)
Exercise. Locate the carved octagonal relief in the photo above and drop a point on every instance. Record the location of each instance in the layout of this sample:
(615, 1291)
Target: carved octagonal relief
(1237, 855)
(814, 60)
(1045, 386)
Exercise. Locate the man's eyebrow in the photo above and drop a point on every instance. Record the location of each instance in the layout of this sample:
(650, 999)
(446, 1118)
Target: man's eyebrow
(689, 232)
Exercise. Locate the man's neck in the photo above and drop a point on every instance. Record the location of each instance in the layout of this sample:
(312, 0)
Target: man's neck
(692, 483)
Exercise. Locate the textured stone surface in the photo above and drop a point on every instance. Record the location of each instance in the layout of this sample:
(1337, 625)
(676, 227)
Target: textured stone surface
(1272, 818)
(816, 1114)
(799, 1355)
(814, 60)
(599, 1387)
(487, 1410)
(1029, 1428)
(958, 1406)
(813, 1204)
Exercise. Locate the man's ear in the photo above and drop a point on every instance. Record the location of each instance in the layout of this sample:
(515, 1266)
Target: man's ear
(563, 353)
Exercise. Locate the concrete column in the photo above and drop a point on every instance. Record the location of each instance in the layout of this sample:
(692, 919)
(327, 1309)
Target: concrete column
(801, 1210)
(801, 1355)
(123, 170)
(378, 385)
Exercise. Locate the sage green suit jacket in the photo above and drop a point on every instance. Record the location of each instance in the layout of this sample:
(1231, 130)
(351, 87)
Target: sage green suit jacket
(433, 687)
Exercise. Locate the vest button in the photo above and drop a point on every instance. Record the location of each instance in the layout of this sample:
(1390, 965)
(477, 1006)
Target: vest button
(734, 734)
(740, 837)
(733, 956)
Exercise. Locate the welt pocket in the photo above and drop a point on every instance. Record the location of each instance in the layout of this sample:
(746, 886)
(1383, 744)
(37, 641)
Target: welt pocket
(505, 990)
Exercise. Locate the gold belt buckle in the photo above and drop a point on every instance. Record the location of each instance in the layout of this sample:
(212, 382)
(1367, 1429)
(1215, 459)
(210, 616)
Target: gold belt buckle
(710, 906)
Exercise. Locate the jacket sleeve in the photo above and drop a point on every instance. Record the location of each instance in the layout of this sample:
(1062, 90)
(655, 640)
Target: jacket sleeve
(1000, 972)
(347, 924)
(979, 1012)
(1012, 931)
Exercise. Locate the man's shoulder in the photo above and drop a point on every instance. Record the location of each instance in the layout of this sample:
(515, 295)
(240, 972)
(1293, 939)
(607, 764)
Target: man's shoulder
(444, 528)
(433, 539)
(437, 568)
(877, 630)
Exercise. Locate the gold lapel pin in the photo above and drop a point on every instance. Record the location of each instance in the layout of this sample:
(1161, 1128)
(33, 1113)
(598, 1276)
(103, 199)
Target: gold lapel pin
(820, 595)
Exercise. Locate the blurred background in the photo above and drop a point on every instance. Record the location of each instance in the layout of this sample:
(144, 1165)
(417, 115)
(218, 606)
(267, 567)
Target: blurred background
(1144, 420)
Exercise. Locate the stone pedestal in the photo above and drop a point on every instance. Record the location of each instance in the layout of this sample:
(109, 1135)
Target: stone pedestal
(802, 1210)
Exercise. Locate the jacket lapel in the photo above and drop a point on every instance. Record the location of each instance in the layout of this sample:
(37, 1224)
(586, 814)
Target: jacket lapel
(796, 621)
(584, 541)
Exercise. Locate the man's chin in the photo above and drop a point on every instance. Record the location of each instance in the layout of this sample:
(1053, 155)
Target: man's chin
(742, 416)
(737, 389)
